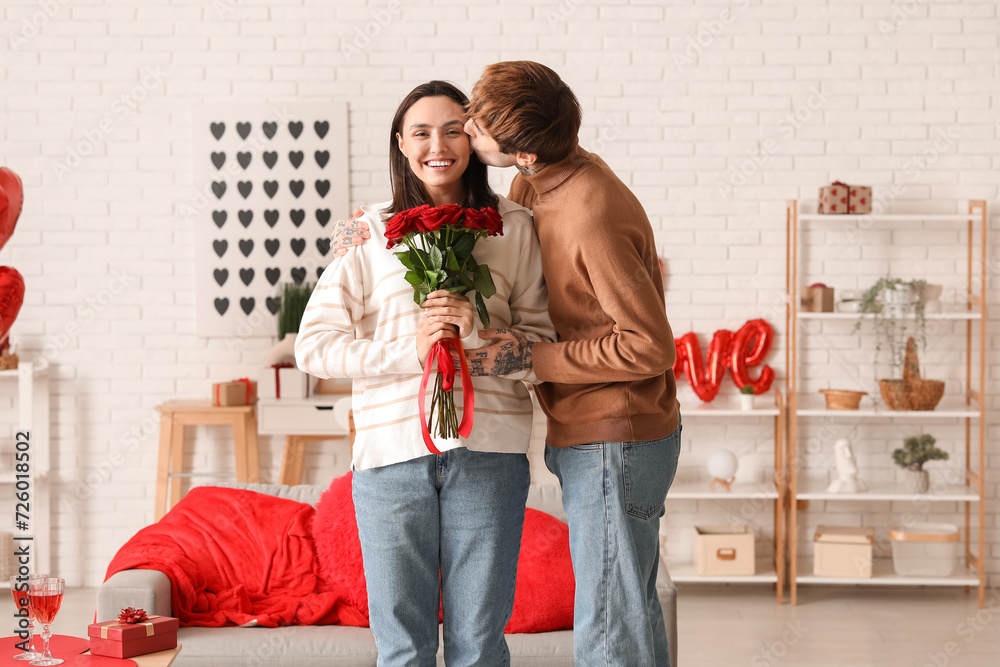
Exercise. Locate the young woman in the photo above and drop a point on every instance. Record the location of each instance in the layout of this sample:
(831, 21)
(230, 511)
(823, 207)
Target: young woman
(448, 523)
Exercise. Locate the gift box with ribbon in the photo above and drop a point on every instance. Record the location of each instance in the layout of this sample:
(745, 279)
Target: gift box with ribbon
(117, 639)
(237, 392)
(839, 198)
(283, 381)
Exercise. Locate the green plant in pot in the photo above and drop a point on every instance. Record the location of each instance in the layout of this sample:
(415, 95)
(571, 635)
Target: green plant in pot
(915, 452)
(746, 397)
(291, 305)
(890, 302)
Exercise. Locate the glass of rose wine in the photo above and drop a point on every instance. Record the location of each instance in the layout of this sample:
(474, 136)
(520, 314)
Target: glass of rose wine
(45, 597)
(19, 589)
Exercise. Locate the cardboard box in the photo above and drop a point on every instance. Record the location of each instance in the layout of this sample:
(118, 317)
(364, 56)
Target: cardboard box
(125, 640)
(817, 299)
(724, 551)
(859, 199)
(843, 551)
(833, 198)
(237, 392)
(283, 381)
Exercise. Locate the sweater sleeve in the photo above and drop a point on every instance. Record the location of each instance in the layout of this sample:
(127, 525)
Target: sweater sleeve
(327, 345)
(629, 294)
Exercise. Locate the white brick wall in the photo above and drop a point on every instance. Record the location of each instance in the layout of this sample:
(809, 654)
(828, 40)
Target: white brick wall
(678, 97)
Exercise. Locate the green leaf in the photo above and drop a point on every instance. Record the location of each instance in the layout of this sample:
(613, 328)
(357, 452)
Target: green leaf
(463, 246)
(484, 281)
(484, 315)
(452, 263)
(414, 278)
(404, 259)
(422, 258)
(437, 259)
(420, 294)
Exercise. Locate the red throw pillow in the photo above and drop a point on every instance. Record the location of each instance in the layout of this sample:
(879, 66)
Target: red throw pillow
(543, 597)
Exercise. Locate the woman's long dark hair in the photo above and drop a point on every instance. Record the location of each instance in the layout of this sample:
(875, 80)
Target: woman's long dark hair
(407, 190)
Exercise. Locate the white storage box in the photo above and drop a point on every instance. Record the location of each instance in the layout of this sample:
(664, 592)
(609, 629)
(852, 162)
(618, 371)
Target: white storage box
(283, 382)
(724, 551)
(925, 549)
(843, 551)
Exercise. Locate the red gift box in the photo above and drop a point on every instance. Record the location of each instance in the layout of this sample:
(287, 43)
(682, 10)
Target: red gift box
(124, 640)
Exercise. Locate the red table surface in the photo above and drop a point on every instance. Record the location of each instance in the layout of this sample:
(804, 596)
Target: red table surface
(62, 646)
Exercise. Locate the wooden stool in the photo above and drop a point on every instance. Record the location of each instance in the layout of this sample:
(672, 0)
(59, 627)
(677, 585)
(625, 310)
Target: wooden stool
(174, 416)
(294, 453)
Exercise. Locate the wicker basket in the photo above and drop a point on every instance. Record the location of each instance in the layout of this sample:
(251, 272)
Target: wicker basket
(912, 392)
(842, 399)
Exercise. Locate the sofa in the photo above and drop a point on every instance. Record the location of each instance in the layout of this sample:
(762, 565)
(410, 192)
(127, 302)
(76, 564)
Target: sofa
(331, 645)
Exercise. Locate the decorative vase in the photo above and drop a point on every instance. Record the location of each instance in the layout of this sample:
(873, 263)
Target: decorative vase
(746, 401)
(917, 481)
(898, 300)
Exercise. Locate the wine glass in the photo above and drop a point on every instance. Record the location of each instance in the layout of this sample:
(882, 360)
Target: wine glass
(19, 589)
(45, 597)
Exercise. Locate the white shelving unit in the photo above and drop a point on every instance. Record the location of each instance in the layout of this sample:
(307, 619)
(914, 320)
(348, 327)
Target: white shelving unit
(773, 490)
(33, 416)
(969, 408)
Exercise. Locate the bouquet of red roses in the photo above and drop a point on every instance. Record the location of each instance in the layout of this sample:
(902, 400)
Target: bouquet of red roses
(439, 242)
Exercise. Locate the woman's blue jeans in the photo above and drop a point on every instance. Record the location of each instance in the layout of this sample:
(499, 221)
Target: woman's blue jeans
(461, 514)
(613, 494)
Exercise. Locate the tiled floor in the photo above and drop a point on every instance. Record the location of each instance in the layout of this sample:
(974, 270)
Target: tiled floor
(830, 627)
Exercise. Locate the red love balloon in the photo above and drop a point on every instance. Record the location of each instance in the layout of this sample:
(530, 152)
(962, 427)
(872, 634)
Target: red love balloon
(11, 201)
(11, 298)
(749, 347)
(705, 376)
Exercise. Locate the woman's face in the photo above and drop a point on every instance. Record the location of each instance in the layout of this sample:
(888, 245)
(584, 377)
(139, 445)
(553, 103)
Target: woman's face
(436, 147)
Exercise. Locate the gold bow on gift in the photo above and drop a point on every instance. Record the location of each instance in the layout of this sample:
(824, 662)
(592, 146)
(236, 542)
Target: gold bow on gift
(150, 630)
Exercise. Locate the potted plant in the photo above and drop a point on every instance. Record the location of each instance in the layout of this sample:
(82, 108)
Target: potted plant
(915, 452)
(746, 397)
(291, 304)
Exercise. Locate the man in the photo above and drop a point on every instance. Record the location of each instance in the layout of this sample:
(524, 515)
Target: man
(608, 391)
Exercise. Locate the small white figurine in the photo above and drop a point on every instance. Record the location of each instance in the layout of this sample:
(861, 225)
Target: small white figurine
(847, 470)
(722, 466)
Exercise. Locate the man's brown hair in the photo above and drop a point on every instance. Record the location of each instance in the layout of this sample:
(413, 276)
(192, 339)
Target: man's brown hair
(527, 108)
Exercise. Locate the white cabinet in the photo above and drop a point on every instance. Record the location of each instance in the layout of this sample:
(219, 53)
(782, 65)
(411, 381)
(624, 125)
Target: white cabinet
(31, 381)
(965, 407)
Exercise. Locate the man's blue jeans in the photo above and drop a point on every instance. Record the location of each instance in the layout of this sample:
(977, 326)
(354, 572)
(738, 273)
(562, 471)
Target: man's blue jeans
(614, 494)
(460, 513)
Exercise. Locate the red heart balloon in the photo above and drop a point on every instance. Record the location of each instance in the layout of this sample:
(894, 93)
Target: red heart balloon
(11, 201)
(11, 298)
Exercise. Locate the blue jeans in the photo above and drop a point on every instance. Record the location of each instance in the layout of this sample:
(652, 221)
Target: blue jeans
(459, 514)
(613, 493)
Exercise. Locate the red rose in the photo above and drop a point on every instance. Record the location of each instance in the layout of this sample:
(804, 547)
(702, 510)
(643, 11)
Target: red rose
(492, 222)
(473, 218)
(431, 219)
(402, 224)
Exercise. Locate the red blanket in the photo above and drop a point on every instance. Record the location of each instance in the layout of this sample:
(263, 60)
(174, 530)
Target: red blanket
(235, 556)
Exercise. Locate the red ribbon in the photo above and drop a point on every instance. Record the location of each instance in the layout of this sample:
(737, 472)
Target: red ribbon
(277, 376)
(441, 352)
(840, 183)
(246, 381)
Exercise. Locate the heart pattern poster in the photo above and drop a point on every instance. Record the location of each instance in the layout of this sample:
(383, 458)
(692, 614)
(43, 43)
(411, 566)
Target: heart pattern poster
(270, 178)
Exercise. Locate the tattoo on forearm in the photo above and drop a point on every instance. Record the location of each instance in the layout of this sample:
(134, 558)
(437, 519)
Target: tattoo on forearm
(513, 357)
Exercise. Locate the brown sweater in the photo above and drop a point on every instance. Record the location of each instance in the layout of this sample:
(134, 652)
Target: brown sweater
(609, 377)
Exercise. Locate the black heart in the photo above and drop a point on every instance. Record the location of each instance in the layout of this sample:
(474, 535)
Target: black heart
(299, 274)
(244, 159)
(322, 187)
(247, 304)
(246, 247)
(296, 157)
(297, 215)
(295, 127)
(220, 218)
(270, 129)
(218, 129)
(298, 245)
(322, 157)
(245, 187)
(273, 304)
(319, 271)
(323, 245)
(246, 275)
(271, 217)
(219, 188)
(322, 216)
(271, 246)
(221, 275)
(271, 188)
(218, 159)
(220, 247)
(243, 129)
(272, 275)
(270, 159)
(246, 217)
(321, 128)
(222, 305)
(296, 187)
